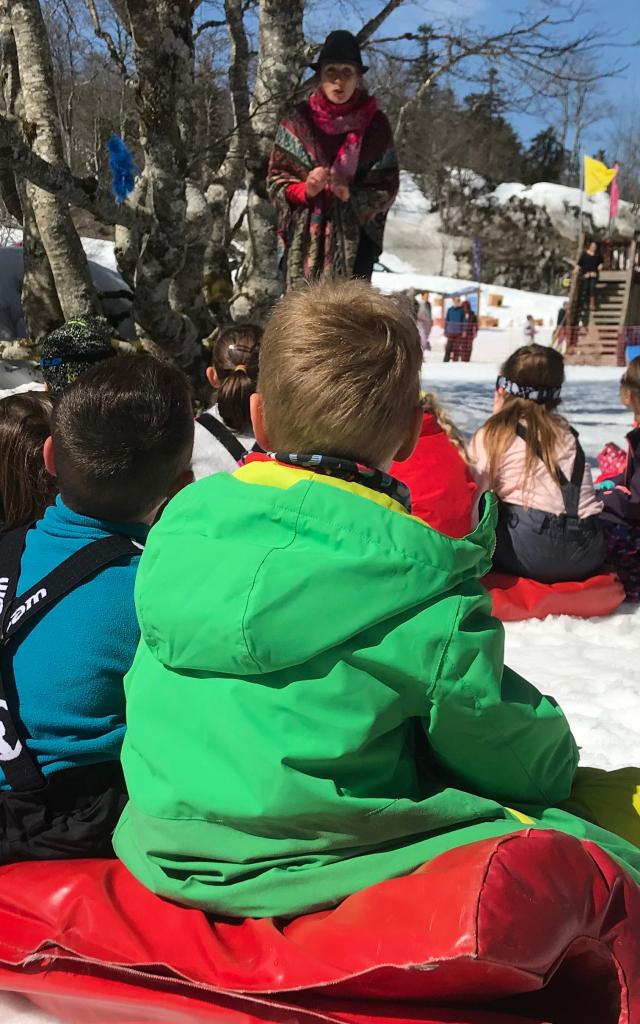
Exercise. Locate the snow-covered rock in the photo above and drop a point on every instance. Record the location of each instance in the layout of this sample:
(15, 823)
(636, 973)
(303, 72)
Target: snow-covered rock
(563, 204)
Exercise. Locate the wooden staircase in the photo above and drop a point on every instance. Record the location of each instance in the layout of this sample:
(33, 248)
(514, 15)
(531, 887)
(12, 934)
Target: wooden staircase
(598, 335)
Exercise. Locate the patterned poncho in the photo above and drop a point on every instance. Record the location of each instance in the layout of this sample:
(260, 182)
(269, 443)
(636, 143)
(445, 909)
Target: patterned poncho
(321, 237)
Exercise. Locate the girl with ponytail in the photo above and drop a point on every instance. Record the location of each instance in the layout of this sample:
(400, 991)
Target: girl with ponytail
(224, 435)
(548, 512)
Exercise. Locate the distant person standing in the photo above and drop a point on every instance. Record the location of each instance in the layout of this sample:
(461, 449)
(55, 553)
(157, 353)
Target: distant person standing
(560, 334)
(469, 331)
(424, 320)
(589, 266)
(529, 330)
(453, 329)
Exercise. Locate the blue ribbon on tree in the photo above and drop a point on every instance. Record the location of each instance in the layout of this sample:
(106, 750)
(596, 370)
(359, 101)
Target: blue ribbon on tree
(124, 169)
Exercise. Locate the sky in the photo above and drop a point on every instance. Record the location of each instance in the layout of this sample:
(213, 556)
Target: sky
(622, 26)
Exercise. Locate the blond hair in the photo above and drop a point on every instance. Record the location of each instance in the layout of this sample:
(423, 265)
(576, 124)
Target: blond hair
(630, 385)
(340, 372)
(533, 366)
(431, 405)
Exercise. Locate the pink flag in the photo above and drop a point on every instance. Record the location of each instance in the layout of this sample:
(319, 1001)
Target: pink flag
(614, 200)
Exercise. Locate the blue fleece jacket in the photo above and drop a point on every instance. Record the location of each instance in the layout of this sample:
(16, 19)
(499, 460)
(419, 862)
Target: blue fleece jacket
(66, 669)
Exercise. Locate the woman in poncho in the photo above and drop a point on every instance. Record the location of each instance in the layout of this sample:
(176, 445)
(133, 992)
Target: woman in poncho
(333, 173)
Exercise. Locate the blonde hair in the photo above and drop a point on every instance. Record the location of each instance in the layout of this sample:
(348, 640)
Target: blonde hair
(534, 366)
(340, 372)
(431, 405)
(630, 383)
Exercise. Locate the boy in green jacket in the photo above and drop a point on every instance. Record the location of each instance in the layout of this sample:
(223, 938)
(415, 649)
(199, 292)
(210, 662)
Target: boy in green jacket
(319, 700)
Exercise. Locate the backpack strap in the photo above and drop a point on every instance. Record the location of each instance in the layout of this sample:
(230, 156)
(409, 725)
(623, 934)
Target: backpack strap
(570, 489)
(222, 434)
(20, 767)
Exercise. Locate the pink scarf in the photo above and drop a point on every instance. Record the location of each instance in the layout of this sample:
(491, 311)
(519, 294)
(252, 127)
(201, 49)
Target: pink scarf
(350, 119)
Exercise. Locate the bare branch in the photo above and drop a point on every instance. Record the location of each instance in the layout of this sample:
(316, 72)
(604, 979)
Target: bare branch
(107, 39)
(212, 23)
(58, 180)
(374, 23)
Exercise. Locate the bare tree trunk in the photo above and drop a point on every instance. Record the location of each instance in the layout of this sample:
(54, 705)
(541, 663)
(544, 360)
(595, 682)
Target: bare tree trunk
(230, 175)
(163, 52)
(280, 57)
(40, 304)
(42, 127)
(186, 294)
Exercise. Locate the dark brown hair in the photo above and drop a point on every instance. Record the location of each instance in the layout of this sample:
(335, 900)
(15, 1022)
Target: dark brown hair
(236, 350)
(25, 486)
(534, 366)
(630, 384)
(340, 372)
(122, 435)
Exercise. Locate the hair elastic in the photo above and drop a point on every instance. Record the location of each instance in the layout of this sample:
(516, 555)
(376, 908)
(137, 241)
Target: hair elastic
(539, 395)
(240, 368)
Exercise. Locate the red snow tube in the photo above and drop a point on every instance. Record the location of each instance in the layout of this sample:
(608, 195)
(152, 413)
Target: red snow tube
(533, 926)
(516, 598)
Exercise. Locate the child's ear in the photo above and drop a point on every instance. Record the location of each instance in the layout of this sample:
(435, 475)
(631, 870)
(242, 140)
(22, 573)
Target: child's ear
(257, 419)
(498, 400)
(182, 480)
(407, 448)
(47, 455)
(212, 377)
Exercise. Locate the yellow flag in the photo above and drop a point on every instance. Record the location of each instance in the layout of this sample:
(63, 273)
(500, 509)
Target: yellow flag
(597, 176)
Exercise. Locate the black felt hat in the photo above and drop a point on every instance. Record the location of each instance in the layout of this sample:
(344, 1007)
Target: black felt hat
(340, 47)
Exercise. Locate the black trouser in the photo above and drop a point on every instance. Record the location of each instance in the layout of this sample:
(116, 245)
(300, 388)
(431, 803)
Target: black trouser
(73, 815)
(366, 257)
(590, 288)
(546, 547)
(454, 348)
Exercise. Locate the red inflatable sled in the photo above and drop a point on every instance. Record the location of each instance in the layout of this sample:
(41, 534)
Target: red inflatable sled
(531, 927)
(516, 598)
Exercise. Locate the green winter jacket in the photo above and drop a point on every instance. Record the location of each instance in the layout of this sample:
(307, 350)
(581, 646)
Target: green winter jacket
(319, 702)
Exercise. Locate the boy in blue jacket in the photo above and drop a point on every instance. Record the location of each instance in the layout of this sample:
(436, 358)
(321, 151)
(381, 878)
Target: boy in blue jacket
(121, 444)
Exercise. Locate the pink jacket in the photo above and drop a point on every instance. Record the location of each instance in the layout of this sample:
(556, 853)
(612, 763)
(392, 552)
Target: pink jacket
(540, 491)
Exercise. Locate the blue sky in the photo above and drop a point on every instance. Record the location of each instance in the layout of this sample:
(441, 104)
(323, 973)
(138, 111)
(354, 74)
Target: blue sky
(622, 26)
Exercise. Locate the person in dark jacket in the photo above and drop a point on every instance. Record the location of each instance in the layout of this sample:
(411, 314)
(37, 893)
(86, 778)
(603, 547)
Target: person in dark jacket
(589, 266)
(621, 515)
(453, 329)
(469, 332)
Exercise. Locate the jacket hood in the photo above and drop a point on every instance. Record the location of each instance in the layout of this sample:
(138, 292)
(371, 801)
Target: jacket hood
(267, 568)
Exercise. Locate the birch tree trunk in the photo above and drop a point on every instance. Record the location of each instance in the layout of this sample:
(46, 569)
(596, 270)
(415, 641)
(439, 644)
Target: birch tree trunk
(42, 128)
(230, 175)
(163, 53)
(280, 57)
(40, 304)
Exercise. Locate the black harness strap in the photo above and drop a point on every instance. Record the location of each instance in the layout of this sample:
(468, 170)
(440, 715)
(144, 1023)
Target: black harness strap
(570, 489)
(20, 767)
(225, 436)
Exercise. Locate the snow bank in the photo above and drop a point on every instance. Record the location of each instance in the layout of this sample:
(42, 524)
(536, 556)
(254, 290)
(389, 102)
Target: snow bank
(102, 267)
(562, 203)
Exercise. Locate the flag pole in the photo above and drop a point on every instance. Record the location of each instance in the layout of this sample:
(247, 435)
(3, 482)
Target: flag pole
(582, 183)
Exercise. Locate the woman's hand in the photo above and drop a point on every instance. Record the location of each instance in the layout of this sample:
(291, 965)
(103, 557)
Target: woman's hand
(340, 189)
(316, 181)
